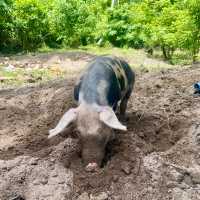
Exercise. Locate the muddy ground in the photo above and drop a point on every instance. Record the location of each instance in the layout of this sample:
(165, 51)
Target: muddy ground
(158, 158)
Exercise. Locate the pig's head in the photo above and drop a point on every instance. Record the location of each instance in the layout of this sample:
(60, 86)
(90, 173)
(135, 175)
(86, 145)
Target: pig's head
(95, 130)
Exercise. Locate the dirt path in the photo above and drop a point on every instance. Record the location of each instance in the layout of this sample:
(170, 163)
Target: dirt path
(158, 158)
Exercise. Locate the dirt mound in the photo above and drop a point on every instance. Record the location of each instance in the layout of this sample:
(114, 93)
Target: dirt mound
(158, 158)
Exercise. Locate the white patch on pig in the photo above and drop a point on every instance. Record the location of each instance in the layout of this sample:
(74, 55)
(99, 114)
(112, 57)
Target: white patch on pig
(88, 122)
(65, 120)
(101, 89)
(108, 116)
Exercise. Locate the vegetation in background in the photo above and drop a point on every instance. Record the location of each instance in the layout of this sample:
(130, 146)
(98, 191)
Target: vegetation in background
(169, 25)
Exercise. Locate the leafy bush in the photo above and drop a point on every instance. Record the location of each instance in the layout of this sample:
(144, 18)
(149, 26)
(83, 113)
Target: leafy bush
(30, 21)
(121, 30)
(6, 24)
(71, 22)
(166, 24)
(171, 25)
(194, 10)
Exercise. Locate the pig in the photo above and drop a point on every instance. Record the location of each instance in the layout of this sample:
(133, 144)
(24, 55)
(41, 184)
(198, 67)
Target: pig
(108, 81)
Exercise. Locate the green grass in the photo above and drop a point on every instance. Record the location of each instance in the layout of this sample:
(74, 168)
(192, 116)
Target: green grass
(90, 49)
(179, 57)
(23, 76)
(108, 50)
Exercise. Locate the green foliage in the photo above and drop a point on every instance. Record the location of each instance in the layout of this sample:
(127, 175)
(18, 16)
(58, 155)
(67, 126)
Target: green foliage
(121, 30)
(171, 25)
(166, 31)
(71, 22)
(30, 22)
(6, 23)
(168, 25)
(194, 10)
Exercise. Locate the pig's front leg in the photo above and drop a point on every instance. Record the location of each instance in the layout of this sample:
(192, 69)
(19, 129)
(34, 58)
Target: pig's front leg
(123, 106)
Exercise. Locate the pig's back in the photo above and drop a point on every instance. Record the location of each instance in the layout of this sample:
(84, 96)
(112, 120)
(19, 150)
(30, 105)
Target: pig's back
(105, 82)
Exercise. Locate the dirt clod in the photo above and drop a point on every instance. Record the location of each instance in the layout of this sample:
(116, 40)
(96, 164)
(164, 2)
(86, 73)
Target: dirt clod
(101, 196)
(125, 166)
(84, 196)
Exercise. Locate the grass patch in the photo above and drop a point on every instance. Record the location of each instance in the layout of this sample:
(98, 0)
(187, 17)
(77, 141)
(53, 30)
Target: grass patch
(26, 76)
(178, 58)
(138, 60)
(96, 50)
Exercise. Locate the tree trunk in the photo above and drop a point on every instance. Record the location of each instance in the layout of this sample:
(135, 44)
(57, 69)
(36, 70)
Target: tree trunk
(194, 54)
(164, 52)
(113, 3)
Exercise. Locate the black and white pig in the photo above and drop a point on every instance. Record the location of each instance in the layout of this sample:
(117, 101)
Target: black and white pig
(107, 81)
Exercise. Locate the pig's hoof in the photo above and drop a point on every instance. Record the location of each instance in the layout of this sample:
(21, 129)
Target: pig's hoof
(91, 167)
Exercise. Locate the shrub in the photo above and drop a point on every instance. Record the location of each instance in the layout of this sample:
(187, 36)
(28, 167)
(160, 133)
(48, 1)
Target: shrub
(31, 25)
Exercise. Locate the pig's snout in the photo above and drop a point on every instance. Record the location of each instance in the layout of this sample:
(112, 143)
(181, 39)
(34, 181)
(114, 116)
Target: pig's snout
(92, 158)
(92, 167)
(93, 151)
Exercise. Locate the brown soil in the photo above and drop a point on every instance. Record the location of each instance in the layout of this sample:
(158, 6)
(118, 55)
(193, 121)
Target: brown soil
(158, 158)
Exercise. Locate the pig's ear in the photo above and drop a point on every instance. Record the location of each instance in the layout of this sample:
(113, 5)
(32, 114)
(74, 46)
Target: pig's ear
(108, 116)
(66, 119)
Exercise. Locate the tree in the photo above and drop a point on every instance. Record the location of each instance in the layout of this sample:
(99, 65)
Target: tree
(71, 22)
(6, 23)
(30, 23)
(194, 9)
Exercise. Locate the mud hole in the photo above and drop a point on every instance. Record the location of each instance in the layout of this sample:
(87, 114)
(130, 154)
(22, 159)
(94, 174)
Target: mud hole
(158, 158)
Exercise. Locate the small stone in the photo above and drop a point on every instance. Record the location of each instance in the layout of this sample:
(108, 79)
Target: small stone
(17, 197)
(126, 168)
(53, 160)
(44, 181)
(141, 134)
(52, 167)
(183, 186)
(61, 181)
(36, 182)
(197, 138)
(188, 180)
(176, 176)
(137, 150)
(3, 108)
(118, 197)
(171, 184)
(115, 178)
(101, 196)
(84, 196)
(91, 167)
(158, 85)
(54, 174)
(195, 177)
(34, 161)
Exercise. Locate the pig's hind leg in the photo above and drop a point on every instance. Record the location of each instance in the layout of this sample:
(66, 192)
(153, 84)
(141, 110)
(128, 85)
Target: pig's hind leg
(123, 105)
